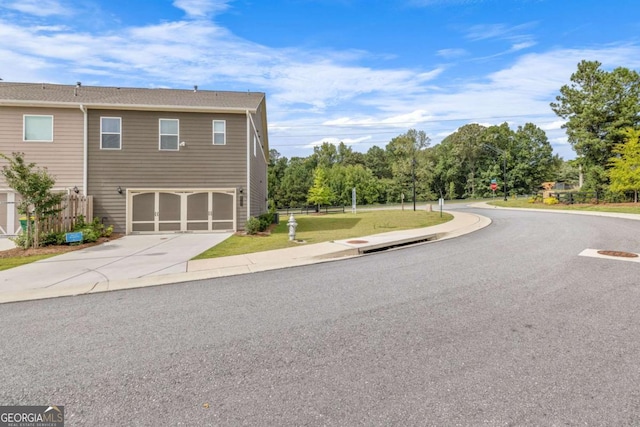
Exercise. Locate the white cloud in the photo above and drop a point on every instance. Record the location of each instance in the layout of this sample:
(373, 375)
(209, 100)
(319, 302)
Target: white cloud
(451, 53)
(336, 141)
(553, 125)
(39, 7)
(202, 8)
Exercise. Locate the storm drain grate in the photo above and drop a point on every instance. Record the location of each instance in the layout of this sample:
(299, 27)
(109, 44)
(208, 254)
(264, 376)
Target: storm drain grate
(619, 254)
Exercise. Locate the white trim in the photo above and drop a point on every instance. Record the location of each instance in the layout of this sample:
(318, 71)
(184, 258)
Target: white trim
(111, 133)
(24, 128)
(213, 131)
(168, 134)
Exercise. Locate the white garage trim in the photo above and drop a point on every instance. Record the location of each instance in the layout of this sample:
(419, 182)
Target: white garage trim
(166, 210)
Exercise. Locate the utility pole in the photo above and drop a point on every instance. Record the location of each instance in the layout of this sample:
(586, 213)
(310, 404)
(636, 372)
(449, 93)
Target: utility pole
(413, 176)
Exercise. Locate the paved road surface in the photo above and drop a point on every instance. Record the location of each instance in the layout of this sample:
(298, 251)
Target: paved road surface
(506, 326)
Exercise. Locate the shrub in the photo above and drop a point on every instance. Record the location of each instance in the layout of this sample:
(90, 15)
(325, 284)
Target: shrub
(266, 219)
(550, 201)
(252, 226)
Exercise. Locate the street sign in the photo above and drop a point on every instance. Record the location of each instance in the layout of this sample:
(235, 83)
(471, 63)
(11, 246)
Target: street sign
(494, 186)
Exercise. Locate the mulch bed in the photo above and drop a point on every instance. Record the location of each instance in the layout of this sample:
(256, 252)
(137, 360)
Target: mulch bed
(55, 249)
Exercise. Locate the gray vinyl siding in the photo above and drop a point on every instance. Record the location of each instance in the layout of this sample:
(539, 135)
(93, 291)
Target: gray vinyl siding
(63, 157)
(140, 163)
(258, 176)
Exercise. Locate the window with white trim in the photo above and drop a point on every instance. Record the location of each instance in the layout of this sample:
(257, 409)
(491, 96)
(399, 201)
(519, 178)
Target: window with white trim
(38, 128)
(110, 133)
(219, 132)
(169, 134)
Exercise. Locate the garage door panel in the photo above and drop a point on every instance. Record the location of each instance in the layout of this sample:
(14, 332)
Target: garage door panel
(169, 226)
(144, 207)
(198, 207)
(169, 207)
(223, 225)
(198, 226)
(222, 206)
(143, 227)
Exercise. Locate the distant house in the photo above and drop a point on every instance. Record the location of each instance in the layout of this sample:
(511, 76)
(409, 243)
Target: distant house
(154, 160)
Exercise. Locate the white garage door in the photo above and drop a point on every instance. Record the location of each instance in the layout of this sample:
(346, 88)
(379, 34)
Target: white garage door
(162, 211)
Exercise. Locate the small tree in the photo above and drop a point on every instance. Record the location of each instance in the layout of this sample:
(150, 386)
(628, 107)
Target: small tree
(625, 167)
(320, 193)
(34, 185)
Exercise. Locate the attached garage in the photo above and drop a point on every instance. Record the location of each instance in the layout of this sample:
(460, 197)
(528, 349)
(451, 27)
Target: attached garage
(177, 210)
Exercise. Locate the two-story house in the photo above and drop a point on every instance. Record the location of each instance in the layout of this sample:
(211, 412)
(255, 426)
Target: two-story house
(154, 160)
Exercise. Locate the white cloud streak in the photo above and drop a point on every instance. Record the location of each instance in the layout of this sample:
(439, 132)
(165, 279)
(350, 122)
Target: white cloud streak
(41, 8)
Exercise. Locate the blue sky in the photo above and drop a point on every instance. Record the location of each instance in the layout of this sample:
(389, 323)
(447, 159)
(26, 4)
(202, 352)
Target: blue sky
(356, 71)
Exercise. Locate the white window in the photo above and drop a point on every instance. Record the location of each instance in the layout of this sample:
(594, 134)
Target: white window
(219, 132)
(110, 133)
(169, 134)
(38, 128)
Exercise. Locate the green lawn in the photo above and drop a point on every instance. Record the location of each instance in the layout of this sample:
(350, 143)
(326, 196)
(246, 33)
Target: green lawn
(601, 207)
(324, 228)
(7, 263)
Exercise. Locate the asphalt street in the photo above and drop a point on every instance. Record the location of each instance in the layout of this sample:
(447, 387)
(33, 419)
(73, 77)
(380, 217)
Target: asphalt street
(505, 326)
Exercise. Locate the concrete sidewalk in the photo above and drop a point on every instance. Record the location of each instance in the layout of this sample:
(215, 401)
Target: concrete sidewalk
(52, 278)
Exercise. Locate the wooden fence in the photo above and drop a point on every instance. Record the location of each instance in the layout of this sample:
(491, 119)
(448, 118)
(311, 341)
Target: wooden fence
(73, 206)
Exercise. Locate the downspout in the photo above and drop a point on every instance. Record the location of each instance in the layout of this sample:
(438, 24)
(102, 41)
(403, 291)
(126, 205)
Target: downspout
(86, 149)
(248, 192)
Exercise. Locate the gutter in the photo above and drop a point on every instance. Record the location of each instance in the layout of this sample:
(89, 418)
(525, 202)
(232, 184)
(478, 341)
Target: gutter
(85, 142)
(135, 107)
(248, 192)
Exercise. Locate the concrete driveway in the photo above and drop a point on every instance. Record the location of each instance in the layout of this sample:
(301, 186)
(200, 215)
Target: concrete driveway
(130, 257)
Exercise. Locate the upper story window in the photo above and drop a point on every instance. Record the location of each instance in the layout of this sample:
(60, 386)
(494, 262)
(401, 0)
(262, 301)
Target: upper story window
(169, 134)
(38, 128)
(110, 133)
(219, 132)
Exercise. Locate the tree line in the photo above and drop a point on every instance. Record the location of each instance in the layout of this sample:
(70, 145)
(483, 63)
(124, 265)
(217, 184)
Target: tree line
(601, 109)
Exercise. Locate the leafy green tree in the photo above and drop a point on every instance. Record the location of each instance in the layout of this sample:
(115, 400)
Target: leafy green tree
(275, 174)
(324, 155)
(37, 200)
(320, 193)
(408, 162)
(531, 160)
(598, 105)
(625, 165)
(346, 156)
(296, 181)
(342, 179)
(377, 161)
(465, 152)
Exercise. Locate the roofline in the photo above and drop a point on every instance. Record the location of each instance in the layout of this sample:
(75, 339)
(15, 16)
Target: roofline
(135, 107)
